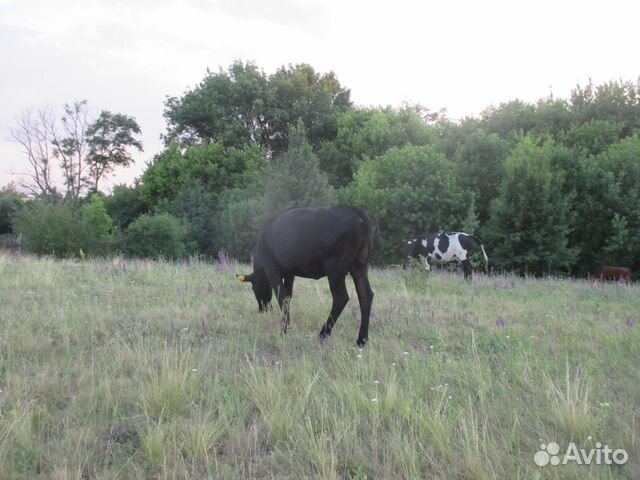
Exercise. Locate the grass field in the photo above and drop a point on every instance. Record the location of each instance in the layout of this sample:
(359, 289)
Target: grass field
(139, 369)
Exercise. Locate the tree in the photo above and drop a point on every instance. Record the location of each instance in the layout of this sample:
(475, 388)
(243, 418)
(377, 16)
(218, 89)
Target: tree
(531, 218)
(125, 204)
(364, 134)
(82, 150)
(408, 191)
(216, 166)
(479, 158)
(197, 208)
(616, 101)
(109, 139)
(296, 179)
(33, 132)
(242, 106)
(11, 203)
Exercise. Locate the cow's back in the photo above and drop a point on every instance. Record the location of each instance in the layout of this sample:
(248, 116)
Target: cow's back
(300, 237)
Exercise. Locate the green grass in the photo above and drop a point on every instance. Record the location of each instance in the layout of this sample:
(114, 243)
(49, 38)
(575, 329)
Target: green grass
(136, 369)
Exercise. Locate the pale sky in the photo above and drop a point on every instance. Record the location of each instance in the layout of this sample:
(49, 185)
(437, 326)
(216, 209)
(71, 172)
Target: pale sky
(126, 56)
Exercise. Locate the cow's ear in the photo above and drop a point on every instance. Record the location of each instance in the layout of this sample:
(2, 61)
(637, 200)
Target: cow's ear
(246, 278)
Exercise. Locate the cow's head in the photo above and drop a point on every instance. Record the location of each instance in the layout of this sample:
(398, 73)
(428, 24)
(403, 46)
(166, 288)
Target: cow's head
(261, 287)
(410, 251)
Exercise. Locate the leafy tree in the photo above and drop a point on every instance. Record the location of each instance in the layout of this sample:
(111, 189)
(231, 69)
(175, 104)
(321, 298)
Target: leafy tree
(616, 101)
(480, 166)
(592, 137)
(125, 204)
(98, 226)
(368, 133)
(197, 208)
(300, 93)
(11, 203)
(216, 166)
(228, 107)
(109, 139)
(408, 191)
(531, 217)
(242, 106)
(622, 160)
(296, 179)
(596, 198)
(510, 119)
(156, 236)
(241, 212)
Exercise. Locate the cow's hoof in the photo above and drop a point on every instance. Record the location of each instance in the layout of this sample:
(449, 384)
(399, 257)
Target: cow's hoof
(362, 342)
(324, 333)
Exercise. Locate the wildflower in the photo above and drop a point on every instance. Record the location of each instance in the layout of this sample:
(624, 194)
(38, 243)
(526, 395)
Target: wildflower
(450, 397)
(376, 382)
(194, 369)
(393, 364)
(501, 322)
(359, 356)
(405, 353)
(374, 399)
(508, 336)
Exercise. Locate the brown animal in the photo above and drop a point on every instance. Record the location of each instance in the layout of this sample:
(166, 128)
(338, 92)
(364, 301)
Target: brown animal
(621, 274)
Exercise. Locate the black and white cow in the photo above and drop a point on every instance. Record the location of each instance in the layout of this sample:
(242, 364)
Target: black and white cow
(315, 243)
(445, 248)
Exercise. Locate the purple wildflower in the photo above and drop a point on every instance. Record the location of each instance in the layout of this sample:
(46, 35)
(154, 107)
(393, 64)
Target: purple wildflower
(501, 322)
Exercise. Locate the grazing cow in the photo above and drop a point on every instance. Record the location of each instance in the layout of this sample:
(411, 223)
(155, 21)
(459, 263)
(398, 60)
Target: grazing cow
(613, 273)
(445, 248)
(314, 243)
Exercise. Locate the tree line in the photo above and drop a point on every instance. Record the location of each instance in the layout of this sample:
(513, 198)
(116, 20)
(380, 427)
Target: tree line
(552, 187)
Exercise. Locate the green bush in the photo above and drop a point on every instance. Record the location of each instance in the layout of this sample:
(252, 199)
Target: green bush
(63, 230)
(49, 229)
(155, 236)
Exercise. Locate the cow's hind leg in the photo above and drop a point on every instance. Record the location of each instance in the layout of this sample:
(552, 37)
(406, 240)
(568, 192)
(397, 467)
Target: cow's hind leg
(340, 299)
(468, 270)
(365, 297)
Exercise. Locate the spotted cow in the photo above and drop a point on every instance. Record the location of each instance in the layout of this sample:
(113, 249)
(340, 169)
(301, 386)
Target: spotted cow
(440, 248)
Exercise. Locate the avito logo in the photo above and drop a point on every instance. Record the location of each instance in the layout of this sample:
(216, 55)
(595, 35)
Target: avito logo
(601, 455)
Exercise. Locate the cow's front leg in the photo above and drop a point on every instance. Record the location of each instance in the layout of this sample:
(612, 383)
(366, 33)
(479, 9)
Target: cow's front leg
(427, 264)
(278, 286)
(288, 292)
(340, 299)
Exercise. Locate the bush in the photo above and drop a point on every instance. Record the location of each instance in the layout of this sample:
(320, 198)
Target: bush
(51, 229)
(11, 202)
(155, 236)
(63, 230)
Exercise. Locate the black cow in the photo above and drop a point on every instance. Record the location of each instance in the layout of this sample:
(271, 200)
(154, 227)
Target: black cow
(314, 243)
(445, 248)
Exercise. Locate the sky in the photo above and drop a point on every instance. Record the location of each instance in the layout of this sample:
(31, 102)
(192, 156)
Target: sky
(127, 56)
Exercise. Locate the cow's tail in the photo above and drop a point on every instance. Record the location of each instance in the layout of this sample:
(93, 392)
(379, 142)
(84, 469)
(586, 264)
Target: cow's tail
(484, 254)
(368, 225)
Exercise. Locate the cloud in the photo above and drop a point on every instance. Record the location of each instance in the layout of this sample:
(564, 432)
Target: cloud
(304, 15)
